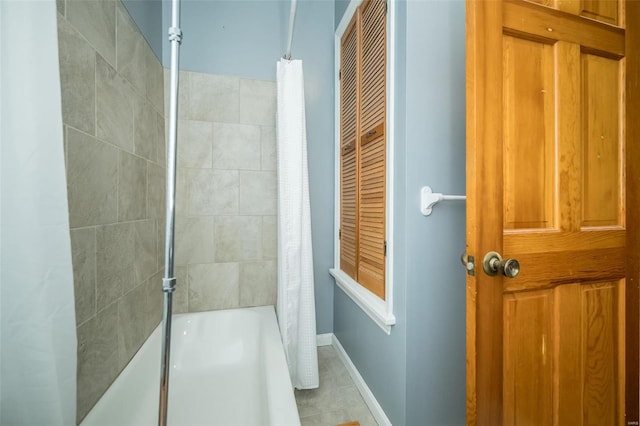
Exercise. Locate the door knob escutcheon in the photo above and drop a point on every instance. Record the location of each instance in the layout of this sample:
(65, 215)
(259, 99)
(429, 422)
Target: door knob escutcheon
(494, 264)
(469, 263)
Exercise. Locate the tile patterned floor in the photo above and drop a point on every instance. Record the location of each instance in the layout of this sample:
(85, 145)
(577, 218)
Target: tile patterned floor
(337, 400)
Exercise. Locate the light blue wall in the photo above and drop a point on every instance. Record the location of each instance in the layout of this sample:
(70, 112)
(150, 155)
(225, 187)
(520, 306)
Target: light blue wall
(418, 373)
(231, 37)
(435, 156)
(247, 38)
(148, 16)
(341, 7)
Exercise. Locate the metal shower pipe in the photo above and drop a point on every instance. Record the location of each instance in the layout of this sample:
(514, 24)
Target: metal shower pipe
(169, 281)
(292, 20)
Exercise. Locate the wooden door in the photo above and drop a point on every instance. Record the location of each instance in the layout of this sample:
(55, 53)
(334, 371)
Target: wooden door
(553, 153)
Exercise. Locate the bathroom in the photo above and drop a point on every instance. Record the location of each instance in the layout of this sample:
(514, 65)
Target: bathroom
(229, 50)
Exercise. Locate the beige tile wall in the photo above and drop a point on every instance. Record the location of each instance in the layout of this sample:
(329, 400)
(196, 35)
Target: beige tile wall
(113, 112)
(112, 102)
(226, 192)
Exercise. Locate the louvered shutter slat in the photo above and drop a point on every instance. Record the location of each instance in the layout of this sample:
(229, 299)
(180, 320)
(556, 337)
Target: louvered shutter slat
(371, 268)
(373, 64)
(372, 179)
(348, 155)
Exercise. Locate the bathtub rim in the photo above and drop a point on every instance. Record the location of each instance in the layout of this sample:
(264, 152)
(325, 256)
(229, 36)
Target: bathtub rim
(279, 393)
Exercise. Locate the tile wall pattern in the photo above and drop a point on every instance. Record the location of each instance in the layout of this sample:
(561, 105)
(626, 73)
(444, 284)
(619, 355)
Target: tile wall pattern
(113, 106)
(225, 240)
(113, 97)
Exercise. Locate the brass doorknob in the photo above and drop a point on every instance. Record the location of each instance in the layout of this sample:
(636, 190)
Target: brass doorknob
(494, 264)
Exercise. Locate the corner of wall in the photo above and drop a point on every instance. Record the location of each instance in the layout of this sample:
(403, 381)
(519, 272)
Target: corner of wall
(113, 116)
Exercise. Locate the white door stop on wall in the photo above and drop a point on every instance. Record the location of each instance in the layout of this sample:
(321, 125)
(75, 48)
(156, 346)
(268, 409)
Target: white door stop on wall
(428, 199)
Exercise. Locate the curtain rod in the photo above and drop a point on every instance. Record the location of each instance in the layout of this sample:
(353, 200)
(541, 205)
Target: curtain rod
(292, 19)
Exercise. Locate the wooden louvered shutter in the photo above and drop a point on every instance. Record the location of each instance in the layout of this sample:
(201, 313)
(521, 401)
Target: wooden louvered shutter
(372, 152)
(348, 150)
(363, 147)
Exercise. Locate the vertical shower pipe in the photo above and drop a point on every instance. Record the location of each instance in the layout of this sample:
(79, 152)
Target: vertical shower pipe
(292, 20)
(169, 281)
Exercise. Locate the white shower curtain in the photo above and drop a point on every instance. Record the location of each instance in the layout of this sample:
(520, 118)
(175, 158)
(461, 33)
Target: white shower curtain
(37, 315)
(296, 300)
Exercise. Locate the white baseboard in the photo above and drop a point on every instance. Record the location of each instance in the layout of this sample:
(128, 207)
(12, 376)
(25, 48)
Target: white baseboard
(324, 339)
(367, 395)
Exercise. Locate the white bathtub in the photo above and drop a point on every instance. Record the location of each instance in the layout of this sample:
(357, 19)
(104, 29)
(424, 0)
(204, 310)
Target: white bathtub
(228, 368)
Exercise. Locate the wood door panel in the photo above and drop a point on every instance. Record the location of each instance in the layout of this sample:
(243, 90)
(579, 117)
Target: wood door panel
(529, 134)
(528, 381)
(601, 326)
(561, 349)
(588, 363)
(602, 141)
(601, 10)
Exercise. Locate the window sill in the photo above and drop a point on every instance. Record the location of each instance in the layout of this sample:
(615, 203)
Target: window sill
(371, 304)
